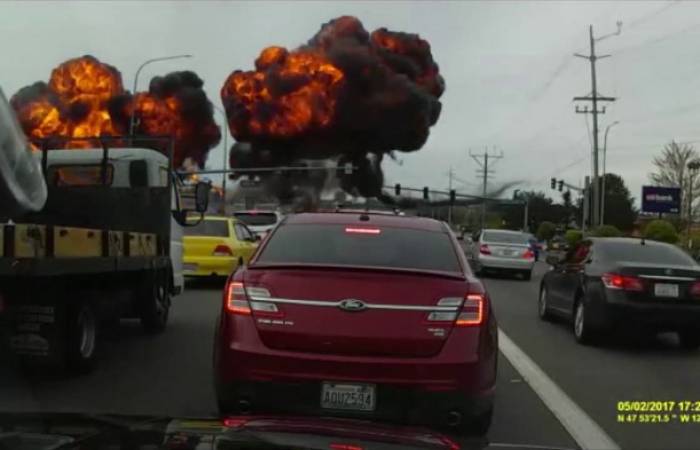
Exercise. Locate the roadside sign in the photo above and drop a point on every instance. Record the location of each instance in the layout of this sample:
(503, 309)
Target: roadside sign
(657, 199)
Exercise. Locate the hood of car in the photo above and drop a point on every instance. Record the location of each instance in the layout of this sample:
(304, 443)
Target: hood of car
(53, 431)
(72, 431)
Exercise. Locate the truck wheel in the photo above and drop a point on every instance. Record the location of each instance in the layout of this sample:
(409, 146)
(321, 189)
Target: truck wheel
(155, 306)
(81, 342)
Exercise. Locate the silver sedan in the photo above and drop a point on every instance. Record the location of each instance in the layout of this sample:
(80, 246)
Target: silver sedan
(503, 251)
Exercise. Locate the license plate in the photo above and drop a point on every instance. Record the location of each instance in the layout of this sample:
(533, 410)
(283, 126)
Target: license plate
(191, 267)
(666, 290)
(356, 397)
(508, 252)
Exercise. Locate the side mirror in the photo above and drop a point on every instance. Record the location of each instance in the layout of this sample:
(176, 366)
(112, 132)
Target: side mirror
(460, 237)
(201, 196)
(553, 260)
(258, 238)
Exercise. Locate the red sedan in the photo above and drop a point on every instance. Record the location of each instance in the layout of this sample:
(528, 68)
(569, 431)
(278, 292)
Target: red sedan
(359, 315)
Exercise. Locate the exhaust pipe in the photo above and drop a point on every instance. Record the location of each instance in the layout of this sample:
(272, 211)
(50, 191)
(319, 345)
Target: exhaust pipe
(454, 418)
(244, 407)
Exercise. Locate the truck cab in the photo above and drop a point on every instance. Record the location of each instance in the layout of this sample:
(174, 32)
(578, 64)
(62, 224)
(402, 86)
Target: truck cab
(131, 168)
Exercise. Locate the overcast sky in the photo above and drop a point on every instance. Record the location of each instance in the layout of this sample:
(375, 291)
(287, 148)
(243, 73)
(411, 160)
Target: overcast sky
(509, 70)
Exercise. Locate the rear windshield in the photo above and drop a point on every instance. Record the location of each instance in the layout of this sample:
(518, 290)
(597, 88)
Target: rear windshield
(504, 238)
(256, 218)
(635, 252)
(399, 248)
(208, 228)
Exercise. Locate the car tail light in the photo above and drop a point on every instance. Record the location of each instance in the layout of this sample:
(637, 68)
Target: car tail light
(222, 250)
(472, 313)
(528, 254)
(622, 282)
(695, 289)
(357, 230)
(239, 302)
(484, 249)
(234, 422)
(335, 446)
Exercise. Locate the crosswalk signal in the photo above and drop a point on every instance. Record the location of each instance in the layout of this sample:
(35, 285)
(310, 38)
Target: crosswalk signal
(554, 183)
(453, 195)
(425, 193)
(397, 189)
(561, 185)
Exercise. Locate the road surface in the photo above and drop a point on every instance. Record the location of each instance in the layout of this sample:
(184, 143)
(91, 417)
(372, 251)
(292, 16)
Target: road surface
(170, 374)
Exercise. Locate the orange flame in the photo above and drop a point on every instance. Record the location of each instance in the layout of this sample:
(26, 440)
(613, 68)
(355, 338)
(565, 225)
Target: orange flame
(85, 98)
(299, 88)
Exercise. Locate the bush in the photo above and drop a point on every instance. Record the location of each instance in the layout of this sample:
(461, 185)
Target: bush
(661, 230)
(606, 231)
(573, 236)
(546, 231)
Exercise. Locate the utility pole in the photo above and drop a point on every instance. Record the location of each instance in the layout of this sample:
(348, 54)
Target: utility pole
(594, 98)
(449, 189)
(586, 205)
(483, 161)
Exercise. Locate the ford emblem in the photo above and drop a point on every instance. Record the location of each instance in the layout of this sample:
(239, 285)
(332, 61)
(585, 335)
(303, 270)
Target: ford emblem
(352, 305)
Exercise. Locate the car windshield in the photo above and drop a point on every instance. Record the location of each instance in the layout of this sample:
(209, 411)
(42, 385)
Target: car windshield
(256, 218)
(652, 253)
(380, 220)
(499, 237)
(209, 228)
(389, 247)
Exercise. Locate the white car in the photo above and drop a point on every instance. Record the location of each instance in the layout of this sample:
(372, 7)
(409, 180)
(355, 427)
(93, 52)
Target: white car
(259, 222)
(503, 251)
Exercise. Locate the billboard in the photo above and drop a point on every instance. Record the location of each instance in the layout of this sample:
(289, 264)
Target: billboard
(657, 199)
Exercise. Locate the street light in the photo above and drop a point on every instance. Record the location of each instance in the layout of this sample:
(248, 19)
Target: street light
(605, 153)
(132, 119)
(225, 130)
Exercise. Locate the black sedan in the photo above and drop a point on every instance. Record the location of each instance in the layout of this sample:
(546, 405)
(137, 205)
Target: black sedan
(602, 283)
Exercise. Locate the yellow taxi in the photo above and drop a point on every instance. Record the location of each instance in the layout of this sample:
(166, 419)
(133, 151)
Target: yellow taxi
(217, 246)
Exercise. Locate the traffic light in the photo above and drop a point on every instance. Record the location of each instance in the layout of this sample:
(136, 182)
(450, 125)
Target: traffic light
(453, 195)
(397, 189)
(425, 193)
(561, 185)
(554, 183)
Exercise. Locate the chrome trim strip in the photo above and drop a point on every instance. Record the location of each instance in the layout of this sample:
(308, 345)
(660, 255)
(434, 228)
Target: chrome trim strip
(664, 277)
(367, 305)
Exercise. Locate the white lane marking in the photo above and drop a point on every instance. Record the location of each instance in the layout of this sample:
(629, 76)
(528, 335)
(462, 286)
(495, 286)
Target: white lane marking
(585, 431)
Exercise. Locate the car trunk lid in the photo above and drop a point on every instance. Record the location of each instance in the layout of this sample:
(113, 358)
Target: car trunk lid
(354, 311)
(662, 282)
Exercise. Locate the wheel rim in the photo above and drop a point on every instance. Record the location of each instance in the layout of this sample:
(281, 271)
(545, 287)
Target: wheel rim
(88, 332)
(543, 302)
(578, 320)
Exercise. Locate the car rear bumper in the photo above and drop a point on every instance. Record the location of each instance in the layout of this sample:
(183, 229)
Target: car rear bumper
(495, 262)
(392, 404)
(655, 315)
(212, 266)
(611, 309)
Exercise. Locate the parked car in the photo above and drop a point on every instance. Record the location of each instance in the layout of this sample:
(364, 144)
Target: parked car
(258, 221)
(217, 246)
(344, 314)
(602, 283)
(503, 251)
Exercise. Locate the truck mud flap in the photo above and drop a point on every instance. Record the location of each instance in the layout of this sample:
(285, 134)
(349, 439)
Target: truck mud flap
(36, 332)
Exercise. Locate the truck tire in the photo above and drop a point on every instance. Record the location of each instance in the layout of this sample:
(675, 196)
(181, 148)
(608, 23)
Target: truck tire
(155, 302)
(81, 338)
